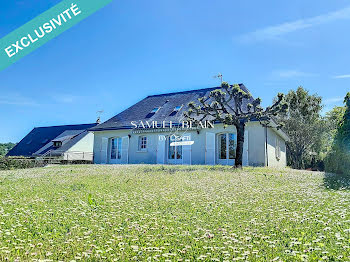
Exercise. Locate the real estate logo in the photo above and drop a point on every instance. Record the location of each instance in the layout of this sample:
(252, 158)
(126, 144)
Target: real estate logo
(178, 131)
(182, 124)
(177, 140)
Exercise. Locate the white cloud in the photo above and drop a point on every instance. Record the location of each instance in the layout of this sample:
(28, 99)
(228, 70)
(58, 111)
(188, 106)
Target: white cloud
(276, 31)
(18, 100)
(341, 76)
(333, 100)
(291, 74)
(66, 98)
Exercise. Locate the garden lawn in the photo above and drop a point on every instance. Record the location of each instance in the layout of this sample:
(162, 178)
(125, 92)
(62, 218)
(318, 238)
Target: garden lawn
(172, 213)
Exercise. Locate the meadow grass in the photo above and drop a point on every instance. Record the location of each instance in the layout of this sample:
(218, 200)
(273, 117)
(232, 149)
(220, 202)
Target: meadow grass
(173, 213)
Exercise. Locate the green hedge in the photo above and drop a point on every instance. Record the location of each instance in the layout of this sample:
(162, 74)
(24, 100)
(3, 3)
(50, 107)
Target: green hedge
(338, 161)
(19, 163)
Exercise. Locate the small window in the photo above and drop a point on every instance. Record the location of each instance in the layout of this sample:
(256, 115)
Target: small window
(29, 142)
(155, 110)
(57, 143)
(278, 149)
(45, 141)
(177, 108)
(142, 143)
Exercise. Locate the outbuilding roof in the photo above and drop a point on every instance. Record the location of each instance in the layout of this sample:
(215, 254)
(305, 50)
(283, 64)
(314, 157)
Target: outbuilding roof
(41, 136)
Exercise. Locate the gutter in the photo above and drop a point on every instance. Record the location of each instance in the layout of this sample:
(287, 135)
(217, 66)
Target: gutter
(174, 125)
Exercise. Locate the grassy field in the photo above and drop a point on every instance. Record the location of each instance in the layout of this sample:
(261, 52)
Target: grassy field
(155, 213)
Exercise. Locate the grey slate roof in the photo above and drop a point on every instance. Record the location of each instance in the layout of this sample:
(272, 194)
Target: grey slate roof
(64, 137)
(67, 135)
(141, 111)
(69, 143)
(40, 136)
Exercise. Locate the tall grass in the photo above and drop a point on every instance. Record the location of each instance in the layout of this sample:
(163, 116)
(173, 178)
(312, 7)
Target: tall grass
(170, 213)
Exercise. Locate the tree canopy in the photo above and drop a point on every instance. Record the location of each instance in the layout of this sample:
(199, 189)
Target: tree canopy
(231, 105)
(304, 125)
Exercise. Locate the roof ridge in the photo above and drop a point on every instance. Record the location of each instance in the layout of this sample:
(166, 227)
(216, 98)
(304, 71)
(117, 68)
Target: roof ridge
(64, 125)
(190, 91)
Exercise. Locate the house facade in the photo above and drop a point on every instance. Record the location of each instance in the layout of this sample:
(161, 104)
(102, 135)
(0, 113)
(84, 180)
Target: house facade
(66, 142)
(153, 131)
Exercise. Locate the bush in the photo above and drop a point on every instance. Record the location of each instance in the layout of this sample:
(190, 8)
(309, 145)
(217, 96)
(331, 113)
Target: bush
(338, 161)
(7, 163)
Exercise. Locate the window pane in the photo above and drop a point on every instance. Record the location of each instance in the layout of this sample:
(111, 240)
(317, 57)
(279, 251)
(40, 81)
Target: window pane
(178, 152)
(113, 149)
(171, 150)
(222, 146)
(154, 110)
(232, 146)
(119, 147)
(144, 142)
(177, 108)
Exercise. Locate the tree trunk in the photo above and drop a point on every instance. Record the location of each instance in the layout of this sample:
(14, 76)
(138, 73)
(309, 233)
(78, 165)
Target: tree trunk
(240, 141)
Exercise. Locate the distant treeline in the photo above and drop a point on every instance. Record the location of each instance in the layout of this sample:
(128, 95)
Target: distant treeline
(317, 141)
(5, 147)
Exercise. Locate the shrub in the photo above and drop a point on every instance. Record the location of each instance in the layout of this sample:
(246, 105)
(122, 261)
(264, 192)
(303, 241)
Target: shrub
(7, 163)
(338, 160)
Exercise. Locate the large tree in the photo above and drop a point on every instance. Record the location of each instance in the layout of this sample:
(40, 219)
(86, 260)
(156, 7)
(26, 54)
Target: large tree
(305, 127)
(231, 105)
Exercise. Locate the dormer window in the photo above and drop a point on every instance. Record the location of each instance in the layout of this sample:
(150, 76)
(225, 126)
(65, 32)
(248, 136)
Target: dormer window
(57, 144)
(155, 110)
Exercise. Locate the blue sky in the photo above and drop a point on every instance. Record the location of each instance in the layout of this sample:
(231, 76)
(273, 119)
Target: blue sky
(131, 49)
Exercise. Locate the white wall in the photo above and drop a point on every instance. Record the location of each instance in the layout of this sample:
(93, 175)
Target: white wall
(82, 150)
(273, 161)
(256, 145)
(149, 156)
(98, 152)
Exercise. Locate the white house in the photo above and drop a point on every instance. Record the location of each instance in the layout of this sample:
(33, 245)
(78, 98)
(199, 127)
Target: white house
(150, 131)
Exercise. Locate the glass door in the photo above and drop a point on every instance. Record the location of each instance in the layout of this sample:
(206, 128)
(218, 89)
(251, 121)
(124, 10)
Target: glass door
(226, 144)
(115, 154)
(174, 153)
